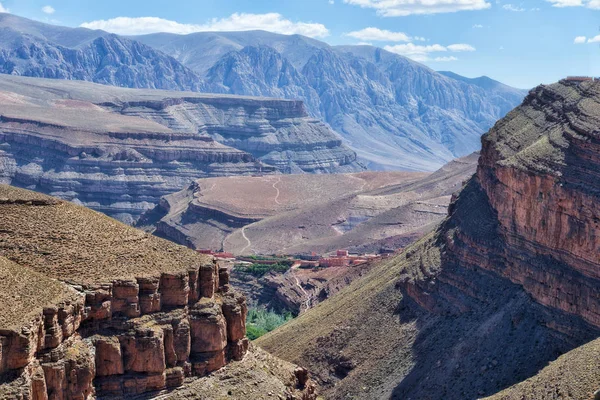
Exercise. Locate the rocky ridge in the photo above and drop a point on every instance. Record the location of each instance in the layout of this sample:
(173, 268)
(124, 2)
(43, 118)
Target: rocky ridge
(505, 285)
(395, 113)
(130, 313)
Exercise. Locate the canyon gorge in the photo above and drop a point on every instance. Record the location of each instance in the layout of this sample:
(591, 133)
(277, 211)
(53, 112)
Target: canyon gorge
(119, 150)
(506, 284)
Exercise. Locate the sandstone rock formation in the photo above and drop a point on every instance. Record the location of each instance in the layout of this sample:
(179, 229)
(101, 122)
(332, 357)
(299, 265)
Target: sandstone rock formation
(505, 285)
(119, 150)
(92, 308)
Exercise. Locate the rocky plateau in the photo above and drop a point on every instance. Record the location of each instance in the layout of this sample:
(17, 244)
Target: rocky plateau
(119, 150)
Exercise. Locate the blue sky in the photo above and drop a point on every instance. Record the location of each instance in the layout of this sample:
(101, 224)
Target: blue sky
(521, 43)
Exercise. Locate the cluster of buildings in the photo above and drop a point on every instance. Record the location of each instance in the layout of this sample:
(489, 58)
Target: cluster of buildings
(342, 258)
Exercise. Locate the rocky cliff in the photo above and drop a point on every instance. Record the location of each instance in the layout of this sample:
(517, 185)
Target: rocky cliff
(506, 284)
(92, 308)
(119, 150)
(30, 48)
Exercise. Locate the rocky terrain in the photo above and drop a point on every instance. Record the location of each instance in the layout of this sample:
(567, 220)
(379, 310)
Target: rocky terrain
(395, 113)
(293, 214)
(506, 284)
(119, 150)
(91, 308)
(301, 214)
(31, 48)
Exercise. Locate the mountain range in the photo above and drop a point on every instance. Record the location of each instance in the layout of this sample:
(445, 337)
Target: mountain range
(394, 112)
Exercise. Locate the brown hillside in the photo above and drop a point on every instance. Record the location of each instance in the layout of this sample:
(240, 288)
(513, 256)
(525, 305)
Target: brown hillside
(507, 283)
(90, 307)
(303, 213)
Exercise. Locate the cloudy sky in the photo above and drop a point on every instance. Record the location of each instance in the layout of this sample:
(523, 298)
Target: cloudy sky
(522, 43)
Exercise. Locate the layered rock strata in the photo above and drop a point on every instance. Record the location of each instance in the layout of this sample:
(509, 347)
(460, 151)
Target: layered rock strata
(119, 150)
(162, 320)
(536, 191)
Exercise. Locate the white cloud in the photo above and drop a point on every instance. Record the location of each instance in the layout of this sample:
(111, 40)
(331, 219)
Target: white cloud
(513, 8)
(593, 4)
(272, 22)
(477, 26)
(579, 39)
(595, 39)
(461, 47)
(402, 8)
(380, 35)
(3, 9)
(445, 59)
(48, 10)
(331, 2)
(421, 53)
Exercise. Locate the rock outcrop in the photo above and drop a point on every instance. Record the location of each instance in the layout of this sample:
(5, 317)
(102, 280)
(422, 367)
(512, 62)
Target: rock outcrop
(119, 150)
(110, 310)
(505, 285)
(536, 187)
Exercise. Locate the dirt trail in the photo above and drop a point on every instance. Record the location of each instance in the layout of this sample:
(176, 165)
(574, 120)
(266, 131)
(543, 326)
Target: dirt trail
(275, 187)
(247, 240)
(308, 297)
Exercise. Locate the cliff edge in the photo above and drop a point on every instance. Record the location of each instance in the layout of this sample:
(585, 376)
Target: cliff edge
(93, 308)
(507, 283)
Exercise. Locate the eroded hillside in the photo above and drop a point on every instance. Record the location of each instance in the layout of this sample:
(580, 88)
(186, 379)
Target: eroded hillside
(507, 283)
(119, 150)
(295, 214)
(90, 307)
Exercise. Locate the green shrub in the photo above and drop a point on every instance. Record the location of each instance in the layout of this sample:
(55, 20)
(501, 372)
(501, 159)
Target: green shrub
(259, 270)
(261, 321)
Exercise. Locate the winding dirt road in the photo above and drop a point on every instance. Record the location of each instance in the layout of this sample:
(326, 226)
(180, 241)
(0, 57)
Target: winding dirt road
(247, 240)
(308, 297)
(275, 187)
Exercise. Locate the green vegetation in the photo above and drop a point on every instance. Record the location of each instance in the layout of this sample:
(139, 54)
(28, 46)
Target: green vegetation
(261, 321)
(259, 270)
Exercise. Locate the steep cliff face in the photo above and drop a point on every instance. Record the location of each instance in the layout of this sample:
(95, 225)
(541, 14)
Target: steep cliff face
(119, 150)
(506, 284)
(537, 177)
(111, 311)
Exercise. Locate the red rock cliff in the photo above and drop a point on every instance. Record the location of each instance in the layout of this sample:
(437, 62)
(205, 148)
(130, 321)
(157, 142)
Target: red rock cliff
(531, 214)
(133, 313)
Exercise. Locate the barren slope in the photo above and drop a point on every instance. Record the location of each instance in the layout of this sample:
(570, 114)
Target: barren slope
(507, 283)
(300, 214)
(91, 307)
